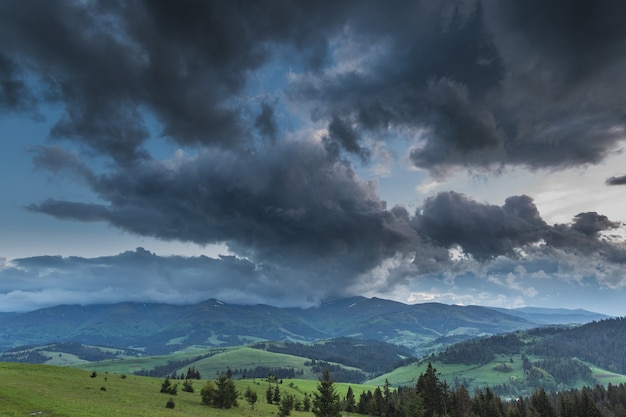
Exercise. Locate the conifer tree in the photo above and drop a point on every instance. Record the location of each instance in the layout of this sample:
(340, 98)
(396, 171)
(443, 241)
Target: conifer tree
(225, 393)
(306, 403)
(208, 393)
(276, 396)
(541, 404)
(286, 405)
(250, 396)
(269, 394)
(350, 406)
(428, 388)
(326, 402)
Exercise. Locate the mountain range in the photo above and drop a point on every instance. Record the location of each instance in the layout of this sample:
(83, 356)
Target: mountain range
(163, 328)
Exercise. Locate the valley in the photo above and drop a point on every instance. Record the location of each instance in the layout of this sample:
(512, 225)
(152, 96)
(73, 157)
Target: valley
(470, 348)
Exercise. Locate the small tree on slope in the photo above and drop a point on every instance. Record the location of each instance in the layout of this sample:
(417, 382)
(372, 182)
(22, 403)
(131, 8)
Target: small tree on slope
(326, 402)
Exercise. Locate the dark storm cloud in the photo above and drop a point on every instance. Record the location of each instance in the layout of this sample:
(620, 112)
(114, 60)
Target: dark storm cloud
(110, 63)
(476, 85)
(616, 180)
(487, 83)
(289, 205)
(265, 122)
(490, 83)
(14, 93)
(295, 207)
(483, 230)
(143, 276)
(487, 231)
(340, 132)
(60, 161)
(591, 223)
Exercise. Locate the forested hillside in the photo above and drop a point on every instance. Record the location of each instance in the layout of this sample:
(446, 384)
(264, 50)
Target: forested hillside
(371, 356)
(602, 343)
(431, 397)
(160, 328)
(553, 357)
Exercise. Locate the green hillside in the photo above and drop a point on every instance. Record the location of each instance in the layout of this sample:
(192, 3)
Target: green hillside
(487, 375)
(27, 389)
(159, 329)
(556, 358)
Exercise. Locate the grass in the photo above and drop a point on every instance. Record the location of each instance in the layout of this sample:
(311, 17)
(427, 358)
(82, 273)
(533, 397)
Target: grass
(62, 391)
(238, 357)
(134, 364)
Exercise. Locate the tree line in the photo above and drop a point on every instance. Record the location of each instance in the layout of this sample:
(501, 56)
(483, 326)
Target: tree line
(172, 366)
(372, 356)
(429, 397)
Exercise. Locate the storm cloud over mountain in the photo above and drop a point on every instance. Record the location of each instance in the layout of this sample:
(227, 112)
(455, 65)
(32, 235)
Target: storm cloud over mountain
(274, 108)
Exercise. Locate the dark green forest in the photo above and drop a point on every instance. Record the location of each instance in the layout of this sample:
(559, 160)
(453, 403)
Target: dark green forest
(431, 397)
(560, 354)
(371, 356)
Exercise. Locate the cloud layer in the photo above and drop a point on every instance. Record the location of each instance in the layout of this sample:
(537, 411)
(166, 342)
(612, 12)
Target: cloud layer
(275, 106)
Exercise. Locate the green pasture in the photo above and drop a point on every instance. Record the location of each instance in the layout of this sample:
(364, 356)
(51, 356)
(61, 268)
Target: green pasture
(27, 389)
(239, 357)
(134, 364)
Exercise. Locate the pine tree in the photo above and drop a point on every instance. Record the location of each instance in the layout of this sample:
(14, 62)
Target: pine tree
(276, 396)
(286, 405)
(226, 393)
(188, 386)
(350, 401)
(208, 393)
(269, 394)
(588, 407)
(541, 404)
(168, 388)
(306, 403)
(428, 388)
(326, 402)
(250, 397)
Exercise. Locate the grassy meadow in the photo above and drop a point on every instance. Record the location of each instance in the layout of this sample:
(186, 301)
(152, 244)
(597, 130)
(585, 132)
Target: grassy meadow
(45, 390)
(237, 357)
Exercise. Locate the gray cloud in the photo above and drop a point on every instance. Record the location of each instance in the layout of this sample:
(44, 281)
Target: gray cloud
(110, 63)
(483, 230)
(142, 276)
(293, 205)
(265, 122)
(475, 85)
(591, 223)
(14, 93)
(301, 215)
(487, 231)
(616, 180)
(490, 83)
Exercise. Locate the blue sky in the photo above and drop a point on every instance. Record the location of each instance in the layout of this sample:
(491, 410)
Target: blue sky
(462, 152)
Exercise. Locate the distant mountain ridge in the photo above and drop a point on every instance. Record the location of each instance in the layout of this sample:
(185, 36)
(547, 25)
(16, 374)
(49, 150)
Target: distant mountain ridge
(162, 328)
(553, 315)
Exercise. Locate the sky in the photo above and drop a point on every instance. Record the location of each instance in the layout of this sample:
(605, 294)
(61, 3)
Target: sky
(456, 151)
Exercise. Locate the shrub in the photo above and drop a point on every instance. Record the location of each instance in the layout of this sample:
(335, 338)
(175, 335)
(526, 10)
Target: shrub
(188, 386)
(168, 388)
(170, 403)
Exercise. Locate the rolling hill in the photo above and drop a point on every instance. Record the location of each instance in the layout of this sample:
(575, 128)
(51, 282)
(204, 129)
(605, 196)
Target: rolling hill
(556, 358)
(162, 328)
(553, 315)
(512, 364)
